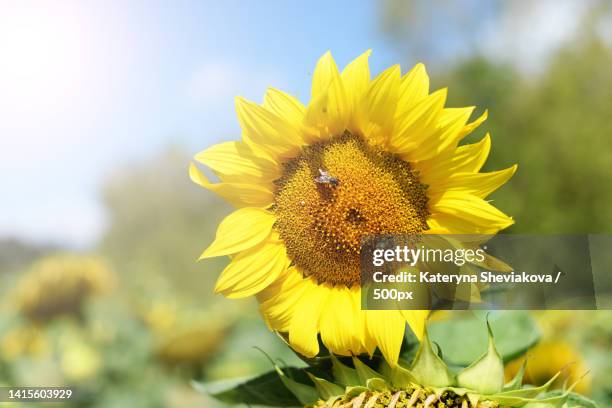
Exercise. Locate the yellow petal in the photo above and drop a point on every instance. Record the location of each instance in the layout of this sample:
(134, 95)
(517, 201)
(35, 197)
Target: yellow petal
(305, 322)
(465, 159)
(285, 106)
(471, 157)
(278, 301)
(267, 130)
(356, 79)
(337, 323)
(379, 105)
(368, 343)
(414, 87)
(416, 319)
(449, 116)
(458, 225)
(324, 74)
(470, 213)
(242, 229)
(428, 130)
(443, 138)
(388, 328)
(253, 270)
(238, 194)
(327, 114)
(436, 226)
(417, 125)
(469, 128)
(237, 162)
(290, 275)
(478, 184)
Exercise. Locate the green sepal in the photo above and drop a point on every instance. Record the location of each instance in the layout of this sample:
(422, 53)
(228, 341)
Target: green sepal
(430, 369)
(509, 401)
(377, 384)
(517, 381)
(526, 397)
(551, 402)
(462, 341)
(485, 375)
(459, 391)
(401, 377)
(473, 398)
(352, 392)
(531, 392)
(305, 394)
(342, 374)
(397, 376)
(364, 372)
(556, 401)
(331, 400)
(575, 400)
(326, 388)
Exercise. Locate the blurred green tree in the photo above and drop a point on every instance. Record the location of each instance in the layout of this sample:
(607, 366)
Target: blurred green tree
(159, 223)
(554, 123)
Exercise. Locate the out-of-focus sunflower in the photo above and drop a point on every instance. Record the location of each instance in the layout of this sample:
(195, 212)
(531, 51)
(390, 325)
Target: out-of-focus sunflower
(24, 341)
(79, 361)
(548, 358)
(60, 285)
(185, 337)
(364, 157)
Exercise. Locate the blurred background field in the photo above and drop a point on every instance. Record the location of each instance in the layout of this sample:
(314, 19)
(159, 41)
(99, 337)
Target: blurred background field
(103, 104)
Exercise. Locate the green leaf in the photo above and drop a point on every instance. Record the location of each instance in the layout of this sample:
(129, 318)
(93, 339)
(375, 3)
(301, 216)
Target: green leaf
(304, 393)
(463, 340)
(485, 375)
(428, 368)
(267, 389)
(326, 388)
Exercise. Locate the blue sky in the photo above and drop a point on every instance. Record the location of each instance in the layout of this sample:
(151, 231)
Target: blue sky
(86, 87)
(109, 82)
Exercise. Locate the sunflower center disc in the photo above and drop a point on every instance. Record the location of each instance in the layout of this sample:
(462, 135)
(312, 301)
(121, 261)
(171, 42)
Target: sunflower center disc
(337, 192)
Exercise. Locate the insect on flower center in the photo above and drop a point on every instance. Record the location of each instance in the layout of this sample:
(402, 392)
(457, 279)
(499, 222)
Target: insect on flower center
(337, 192)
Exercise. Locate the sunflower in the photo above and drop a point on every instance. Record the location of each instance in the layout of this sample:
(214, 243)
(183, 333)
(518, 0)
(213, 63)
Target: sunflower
(364, 157)
(61, 284)
(186, 337)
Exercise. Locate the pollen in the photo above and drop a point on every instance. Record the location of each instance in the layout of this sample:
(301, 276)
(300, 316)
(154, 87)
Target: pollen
(337, 192)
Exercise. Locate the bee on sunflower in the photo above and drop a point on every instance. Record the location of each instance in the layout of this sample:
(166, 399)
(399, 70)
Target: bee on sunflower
(364, 157)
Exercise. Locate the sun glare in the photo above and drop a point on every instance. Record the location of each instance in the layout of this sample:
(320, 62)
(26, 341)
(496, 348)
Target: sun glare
(40, 53)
